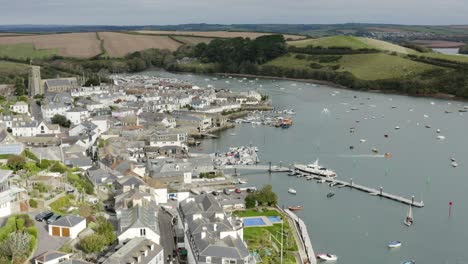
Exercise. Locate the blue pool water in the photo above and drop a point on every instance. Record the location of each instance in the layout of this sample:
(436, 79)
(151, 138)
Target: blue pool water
(254, 222)
(274, 219)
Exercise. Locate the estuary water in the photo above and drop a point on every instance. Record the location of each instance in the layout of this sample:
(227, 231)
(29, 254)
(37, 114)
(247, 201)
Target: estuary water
(354, 225)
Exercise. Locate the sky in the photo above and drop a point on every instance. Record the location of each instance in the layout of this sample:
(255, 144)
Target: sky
(166, 12)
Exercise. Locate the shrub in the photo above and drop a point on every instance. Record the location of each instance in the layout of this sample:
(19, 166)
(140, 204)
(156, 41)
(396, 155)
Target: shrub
(32, 230)
(16, 162)
(33, 203)
(19, 224)
(58, 167)
(92, 243)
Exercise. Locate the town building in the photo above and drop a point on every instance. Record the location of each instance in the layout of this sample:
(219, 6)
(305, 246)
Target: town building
(20, 107)
(134, 251)
(52, 257)
(5, 197)
(67, 226)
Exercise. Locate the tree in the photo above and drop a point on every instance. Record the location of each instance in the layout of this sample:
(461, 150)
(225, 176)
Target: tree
(92, 243)
(250, 201)
(16, 245)
(20, 88)
(61, 120)
(106, 229)
(16, 162)
(266, 196)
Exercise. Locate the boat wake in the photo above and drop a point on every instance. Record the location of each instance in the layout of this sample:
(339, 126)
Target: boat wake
(361, 156)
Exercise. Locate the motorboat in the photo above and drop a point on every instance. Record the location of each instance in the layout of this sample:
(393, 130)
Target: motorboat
(409, 262)
(394, 244)
(441, 137)
(295, 208)
(330, 194)
(327, 257)
(454, 164)
(452, 159)
(316, 169)
(397, 127)
(292, 191)
(374, 150)
(438, 131)
(362, 140)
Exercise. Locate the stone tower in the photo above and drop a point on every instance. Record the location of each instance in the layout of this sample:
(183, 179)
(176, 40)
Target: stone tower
(34, 85)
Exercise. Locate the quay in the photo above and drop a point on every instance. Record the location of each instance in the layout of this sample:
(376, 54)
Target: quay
(306, 251)
(268, 168)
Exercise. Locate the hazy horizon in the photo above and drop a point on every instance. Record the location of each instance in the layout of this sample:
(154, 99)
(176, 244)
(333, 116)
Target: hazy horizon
(165, 12)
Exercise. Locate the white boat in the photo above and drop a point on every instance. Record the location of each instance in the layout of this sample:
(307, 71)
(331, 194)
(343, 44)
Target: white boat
(292, 191)
(441, 137)
(232, 134)
(362, 140)
(409, 217)
(327, 257)
(454, 164)
(394, 244)
(242, 181)
(315, 169)
(438, 131)
(321, 181)
(397, 127)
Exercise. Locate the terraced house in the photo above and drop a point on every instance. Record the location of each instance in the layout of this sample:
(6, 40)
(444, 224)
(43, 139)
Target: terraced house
(210, 235)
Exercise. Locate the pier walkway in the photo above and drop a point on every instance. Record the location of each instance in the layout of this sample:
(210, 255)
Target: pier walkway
(258, 167)
(371, 191)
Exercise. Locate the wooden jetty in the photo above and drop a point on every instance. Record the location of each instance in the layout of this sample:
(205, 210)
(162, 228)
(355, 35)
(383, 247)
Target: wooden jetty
(371, 191)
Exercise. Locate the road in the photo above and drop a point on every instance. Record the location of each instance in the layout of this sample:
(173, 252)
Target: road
(35, 110)
(167, 234)
(45, 242)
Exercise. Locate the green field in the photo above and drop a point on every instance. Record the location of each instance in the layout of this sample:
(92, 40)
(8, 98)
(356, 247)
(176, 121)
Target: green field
(25, 51)
(374, 66)
(381, 66)
(457, 58)
(7, 68)
(350, 42)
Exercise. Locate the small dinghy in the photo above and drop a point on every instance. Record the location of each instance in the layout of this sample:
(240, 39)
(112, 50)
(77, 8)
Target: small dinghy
(409, 262)
(394, 244)
(327, 257)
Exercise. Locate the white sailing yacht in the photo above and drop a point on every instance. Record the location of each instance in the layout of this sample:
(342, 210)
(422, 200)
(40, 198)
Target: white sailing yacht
(409, 217)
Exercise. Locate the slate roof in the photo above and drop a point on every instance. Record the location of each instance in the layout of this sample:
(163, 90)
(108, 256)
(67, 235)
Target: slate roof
(133, 249)
(140, 217)
(68, 221)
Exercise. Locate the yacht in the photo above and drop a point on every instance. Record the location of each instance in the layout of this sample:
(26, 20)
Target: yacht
(292, 191)
(327, 257)
(315, 169)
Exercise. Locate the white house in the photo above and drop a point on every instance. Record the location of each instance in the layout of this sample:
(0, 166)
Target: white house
(77, 115)
(33, 128)
(52, 257)
(67, 226)
(139, 221)
(20, 107)
(162, 139)
(52, 109)
(5, 198)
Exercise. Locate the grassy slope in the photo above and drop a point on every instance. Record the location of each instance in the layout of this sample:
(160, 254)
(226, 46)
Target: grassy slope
(457, 58)
(351, 42)
(373, 66)
(23, 51)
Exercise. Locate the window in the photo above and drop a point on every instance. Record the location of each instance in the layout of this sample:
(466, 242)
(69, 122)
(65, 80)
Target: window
(208, 259)
(142, 232)
(229, 261)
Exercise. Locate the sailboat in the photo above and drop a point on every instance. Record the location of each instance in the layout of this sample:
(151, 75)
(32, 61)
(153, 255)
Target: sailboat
(409, 217)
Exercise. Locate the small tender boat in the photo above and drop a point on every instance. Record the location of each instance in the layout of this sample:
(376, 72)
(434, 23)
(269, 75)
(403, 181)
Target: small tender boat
(374, 150)
(388, 155)
(438, 131)
(295, 208)
(452, 159)
(427, 126)
(242, 181)
(409, 262)
(292, 191)
(397, 127)
(362, 140)
(394, 244)
(441, 137)
(330, 195)
(454, 164)
(327, 257)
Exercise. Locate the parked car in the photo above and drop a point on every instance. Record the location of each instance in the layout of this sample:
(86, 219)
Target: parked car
(227, 191)
(53, 218)
(237, 190)
(215, 193)
(70, 190)
(43, 216)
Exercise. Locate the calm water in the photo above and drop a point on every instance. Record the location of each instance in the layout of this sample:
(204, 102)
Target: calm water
(450, 51)
(352, 224)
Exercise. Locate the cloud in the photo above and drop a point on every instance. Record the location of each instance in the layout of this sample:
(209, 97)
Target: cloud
(141, 12)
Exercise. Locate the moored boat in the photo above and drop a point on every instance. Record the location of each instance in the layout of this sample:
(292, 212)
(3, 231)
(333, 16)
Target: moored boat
(409, 217)
(409, 262)
(315, 169)
(394, 244)
(292, 191)
(295, 208)
(327, 257)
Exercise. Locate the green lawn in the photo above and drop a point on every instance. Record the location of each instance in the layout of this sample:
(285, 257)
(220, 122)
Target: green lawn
(381, 66)
(23, 51)
(259, 238)
(351, 42)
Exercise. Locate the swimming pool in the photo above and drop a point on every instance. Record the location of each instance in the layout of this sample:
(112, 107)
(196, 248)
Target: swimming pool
(254, 221)
(274, 219)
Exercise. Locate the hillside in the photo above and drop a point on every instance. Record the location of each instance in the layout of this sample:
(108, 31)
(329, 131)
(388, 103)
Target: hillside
(350, 42)
(216, 34)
